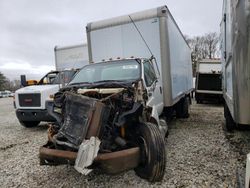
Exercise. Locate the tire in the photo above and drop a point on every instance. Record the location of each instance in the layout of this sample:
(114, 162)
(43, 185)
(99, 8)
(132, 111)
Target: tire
(29, 124)
(182, 108)
(153, 154)
(230, 125)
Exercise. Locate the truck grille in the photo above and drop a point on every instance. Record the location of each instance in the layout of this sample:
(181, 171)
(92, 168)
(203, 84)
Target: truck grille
(30, 100)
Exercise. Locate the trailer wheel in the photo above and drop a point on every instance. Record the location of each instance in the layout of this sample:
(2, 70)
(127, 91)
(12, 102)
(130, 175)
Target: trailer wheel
(153, 155)
(230, 125)
(182, 108)
(29, 124)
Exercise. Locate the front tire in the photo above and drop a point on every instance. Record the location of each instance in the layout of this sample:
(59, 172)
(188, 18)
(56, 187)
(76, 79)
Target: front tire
(29, 124)
(153, 155)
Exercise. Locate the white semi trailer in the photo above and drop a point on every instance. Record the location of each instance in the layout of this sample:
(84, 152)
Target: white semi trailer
(235, 42)
(31, 101)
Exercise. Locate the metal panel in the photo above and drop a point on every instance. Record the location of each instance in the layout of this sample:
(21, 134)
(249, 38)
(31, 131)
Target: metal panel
(124, 41)
(237, 63)
(165, 65)
(180, 61)
(209, 81)
(209, 67)
(69, 57)
(229, 80)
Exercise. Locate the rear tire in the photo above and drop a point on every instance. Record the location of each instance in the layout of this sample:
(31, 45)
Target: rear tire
(182, 108)
(29, 124)
(153, 154)
(230, 125)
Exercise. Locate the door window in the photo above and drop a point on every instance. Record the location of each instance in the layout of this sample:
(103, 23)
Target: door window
(149, 73)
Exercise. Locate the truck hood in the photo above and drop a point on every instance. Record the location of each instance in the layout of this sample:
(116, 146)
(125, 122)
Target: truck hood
(37, 88)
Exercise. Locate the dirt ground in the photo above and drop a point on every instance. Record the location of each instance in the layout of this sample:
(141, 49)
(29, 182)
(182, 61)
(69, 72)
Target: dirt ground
(199, 154)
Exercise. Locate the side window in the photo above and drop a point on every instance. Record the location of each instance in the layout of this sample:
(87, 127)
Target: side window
(149, 73)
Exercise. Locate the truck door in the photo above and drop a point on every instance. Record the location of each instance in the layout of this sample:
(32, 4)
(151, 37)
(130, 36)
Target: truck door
(154, 87)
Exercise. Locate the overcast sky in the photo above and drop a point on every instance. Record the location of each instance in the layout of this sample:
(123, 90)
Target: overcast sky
(30, 29)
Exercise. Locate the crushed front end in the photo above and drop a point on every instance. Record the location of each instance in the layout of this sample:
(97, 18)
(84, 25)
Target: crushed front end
(103, 115)
(105, 123)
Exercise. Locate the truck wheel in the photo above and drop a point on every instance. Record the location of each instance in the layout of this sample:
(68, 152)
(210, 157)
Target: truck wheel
(230, 125)
(153, 155)
(182, 108)
(29, 124)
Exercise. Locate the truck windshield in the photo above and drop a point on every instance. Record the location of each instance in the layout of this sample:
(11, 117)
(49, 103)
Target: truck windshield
(58, 77)
(122, 70)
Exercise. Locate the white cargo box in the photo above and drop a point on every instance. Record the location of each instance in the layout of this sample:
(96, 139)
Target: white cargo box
(71, 57)
(209, 66)
(118, 37)
(235, 43)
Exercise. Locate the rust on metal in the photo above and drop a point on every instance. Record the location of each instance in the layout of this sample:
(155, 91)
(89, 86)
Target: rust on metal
(114, 162)
(55, 156)
(123, 131)
(96, 120)
(119, 161)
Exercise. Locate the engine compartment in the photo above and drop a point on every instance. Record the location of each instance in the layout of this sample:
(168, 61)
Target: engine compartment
(107, 113)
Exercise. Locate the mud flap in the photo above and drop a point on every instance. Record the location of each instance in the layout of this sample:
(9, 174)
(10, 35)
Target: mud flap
(86, 154)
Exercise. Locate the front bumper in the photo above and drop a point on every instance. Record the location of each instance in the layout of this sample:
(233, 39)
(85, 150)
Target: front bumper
(111, 163)
(33, 115)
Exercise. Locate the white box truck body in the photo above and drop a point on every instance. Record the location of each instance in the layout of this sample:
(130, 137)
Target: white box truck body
(235, 43)
(31, 101)
(236, 66)
(119, 37)
(208, 85)
(71, 57)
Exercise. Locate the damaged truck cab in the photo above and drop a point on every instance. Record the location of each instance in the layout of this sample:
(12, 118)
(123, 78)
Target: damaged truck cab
(105, 117)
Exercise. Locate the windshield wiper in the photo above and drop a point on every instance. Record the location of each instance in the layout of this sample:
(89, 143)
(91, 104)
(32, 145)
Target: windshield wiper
(79, 83)
(109, 81)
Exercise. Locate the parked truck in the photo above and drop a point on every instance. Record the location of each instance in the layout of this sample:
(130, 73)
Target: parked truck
(208, 85)
(236, 67)
(235, 44)
(112, 114)
(31, 101)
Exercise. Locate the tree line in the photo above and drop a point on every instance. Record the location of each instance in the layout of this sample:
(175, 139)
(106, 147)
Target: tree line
(7, 84)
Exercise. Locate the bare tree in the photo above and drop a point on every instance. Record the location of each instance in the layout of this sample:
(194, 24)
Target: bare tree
(12, 85)
(211, 41)
(206, 46)
(3, 80)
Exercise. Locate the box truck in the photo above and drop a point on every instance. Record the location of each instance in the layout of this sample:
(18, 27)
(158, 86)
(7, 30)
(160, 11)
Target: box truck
(31, 101)
(112, 114)
(208, 81)
(235, 44)
(236, 66)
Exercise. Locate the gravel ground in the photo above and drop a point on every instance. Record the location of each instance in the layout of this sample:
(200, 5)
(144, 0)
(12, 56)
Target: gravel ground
(199, 154)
